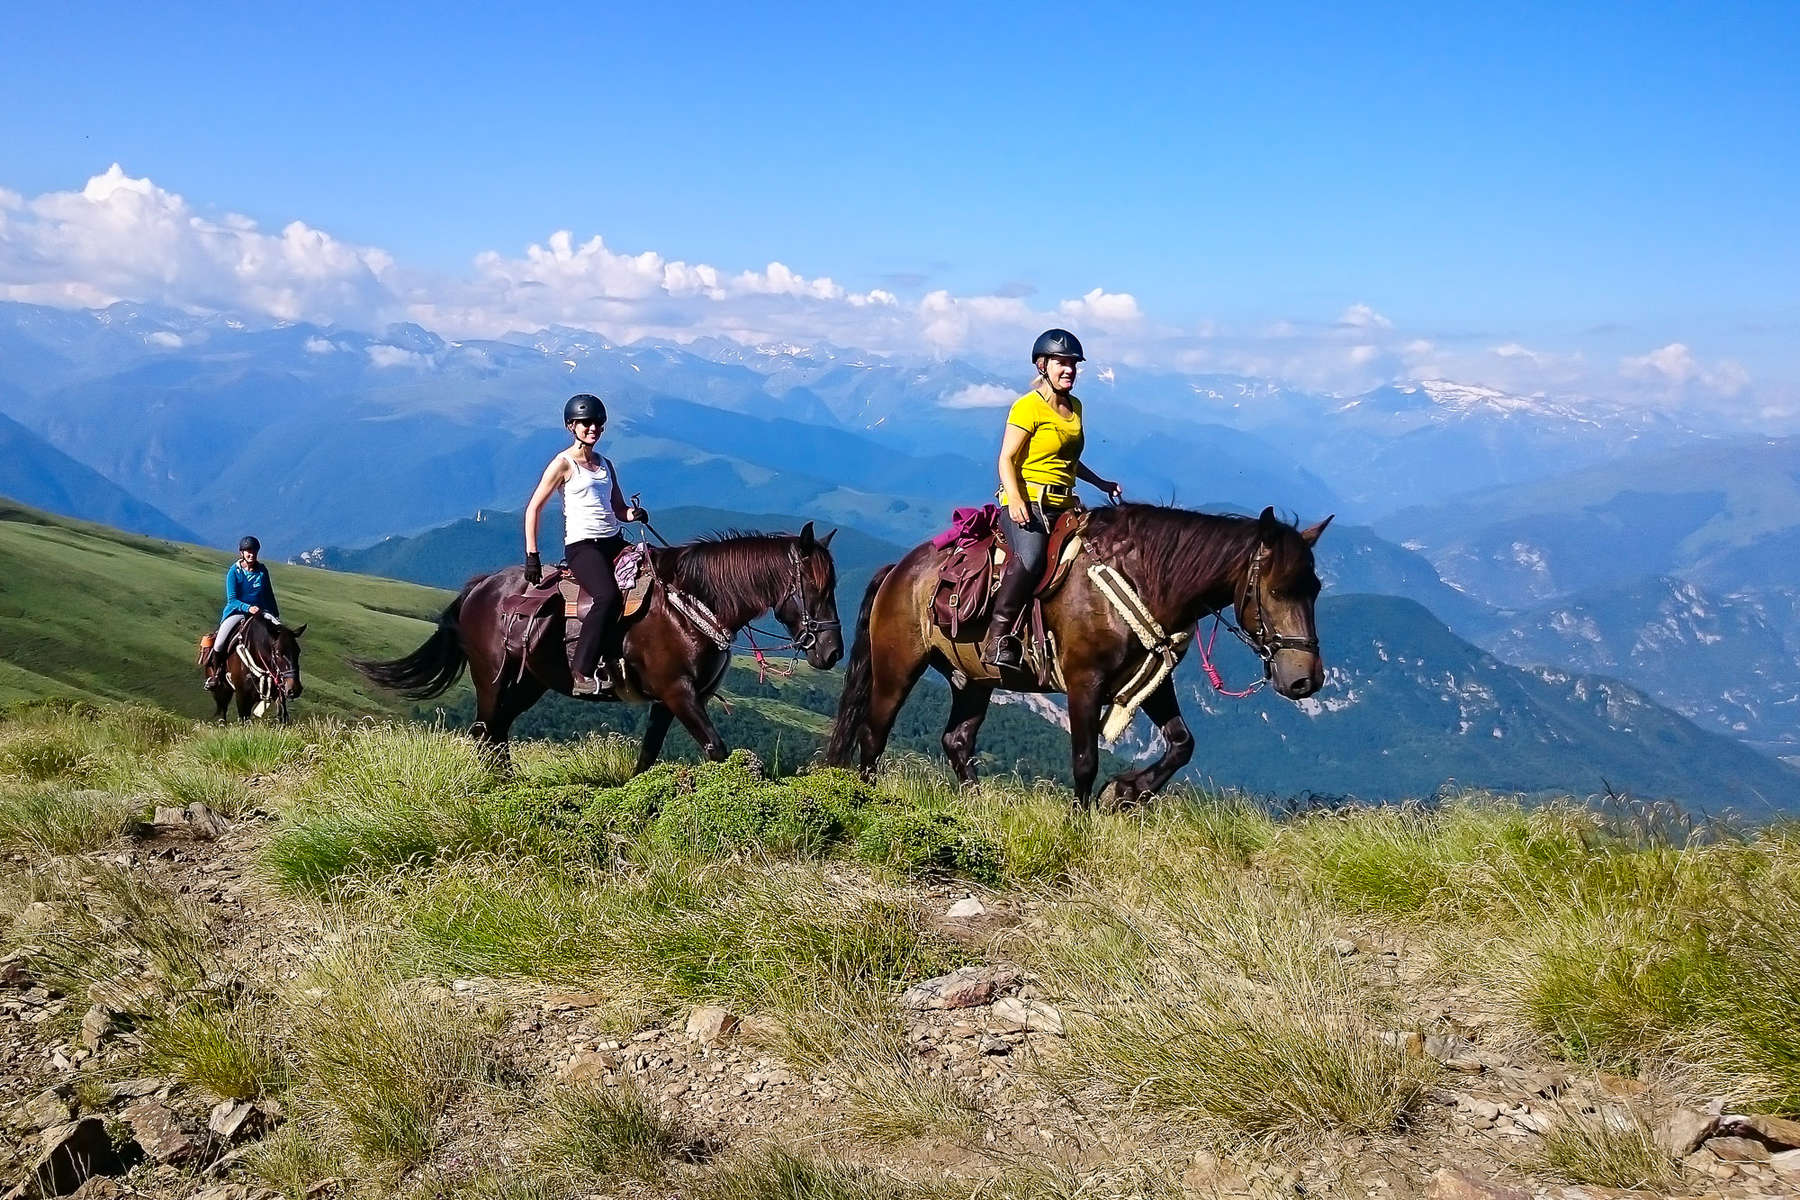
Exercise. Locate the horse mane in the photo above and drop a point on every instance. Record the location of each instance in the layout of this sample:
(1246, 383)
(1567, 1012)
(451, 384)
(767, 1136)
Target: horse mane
(727, 562)
(1181, 551)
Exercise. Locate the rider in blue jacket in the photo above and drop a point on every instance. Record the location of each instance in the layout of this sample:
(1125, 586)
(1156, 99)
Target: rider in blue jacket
(248, 593)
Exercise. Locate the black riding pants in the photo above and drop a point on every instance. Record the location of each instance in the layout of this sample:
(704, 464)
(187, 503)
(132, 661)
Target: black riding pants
(591, 562)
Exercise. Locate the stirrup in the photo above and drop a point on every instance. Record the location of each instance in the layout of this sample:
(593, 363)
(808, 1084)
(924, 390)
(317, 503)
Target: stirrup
(592, 685)
(1008, 653)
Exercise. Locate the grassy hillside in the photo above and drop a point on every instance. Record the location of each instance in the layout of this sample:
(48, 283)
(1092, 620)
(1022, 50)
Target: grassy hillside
(89, 611)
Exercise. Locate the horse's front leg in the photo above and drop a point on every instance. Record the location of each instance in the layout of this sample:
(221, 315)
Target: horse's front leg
(655, 730)
(246, 704)
(1178, 748)
(690, 710)
(1084, 736)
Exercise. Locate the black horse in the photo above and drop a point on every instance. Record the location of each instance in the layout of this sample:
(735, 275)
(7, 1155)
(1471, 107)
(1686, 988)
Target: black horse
(262, 669)
(670, 660)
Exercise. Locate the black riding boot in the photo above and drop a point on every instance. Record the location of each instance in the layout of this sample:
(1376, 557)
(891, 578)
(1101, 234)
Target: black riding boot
(1003, 647)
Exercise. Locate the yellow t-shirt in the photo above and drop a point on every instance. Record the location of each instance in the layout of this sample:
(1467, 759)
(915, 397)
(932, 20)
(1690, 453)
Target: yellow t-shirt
(1054, 444)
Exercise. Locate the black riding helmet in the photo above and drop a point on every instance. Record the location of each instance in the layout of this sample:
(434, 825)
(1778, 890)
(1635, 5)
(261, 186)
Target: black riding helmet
(584, 408)
(250, 544)
(1057, 343)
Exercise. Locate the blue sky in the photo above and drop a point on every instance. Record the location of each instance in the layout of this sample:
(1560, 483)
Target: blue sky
(1600, 178)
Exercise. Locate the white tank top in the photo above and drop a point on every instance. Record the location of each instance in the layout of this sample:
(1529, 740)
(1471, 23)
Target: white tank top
(587, 501)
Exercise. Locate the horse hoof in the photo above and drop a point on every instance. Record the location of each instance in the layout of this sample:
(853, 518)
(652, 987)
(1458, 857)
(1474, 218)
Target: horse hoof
(1116, 797)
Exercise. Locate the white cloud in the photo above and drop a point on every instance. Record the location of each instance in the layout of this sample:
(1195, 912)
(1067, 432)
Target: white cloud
(1105, 308)
(165, 339)
(121, 238)
(1362, 355)
(1361, 316)
(395, 356)
(980, 395)
(317, 345)
(1676, 366)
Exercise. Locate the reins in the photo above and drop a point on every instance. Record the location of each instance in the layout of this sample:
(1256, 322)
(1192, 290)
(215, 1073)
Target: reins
(800, 642)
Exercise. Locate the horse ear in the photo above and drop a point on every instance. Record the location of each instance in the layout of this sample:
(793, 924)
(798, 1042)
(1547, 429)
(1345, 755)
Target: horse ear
(1309, 536)
(1268, 526)
(825, 542)
(299, 629)
(806, 536)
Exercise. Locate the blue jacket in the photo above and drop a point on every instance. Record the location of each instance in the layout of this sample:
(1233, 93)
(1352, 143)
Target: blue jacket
(245, 588)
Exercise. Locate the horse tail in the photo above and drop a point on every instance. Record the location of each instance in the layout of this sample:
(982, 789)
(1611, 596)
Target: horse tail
(853, 707)
(433, 667)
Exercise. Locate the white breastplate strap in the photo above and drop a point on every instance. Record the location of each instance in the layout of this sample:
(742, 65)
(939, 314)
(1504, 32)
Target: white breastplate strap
(265, 680)
(1164, 650)
(700, 616)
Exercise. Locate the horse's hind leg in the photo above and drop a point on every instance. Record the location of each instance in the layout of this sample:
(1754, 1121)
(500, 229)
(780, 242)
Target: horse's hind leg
(968, 708)
(1178, 748)
(655, 730)
(497, 708)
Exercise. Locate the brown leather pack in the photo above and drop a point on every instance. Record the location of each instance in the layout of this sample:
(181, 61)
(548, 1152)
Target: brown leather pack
(965, 587)
(969, 572)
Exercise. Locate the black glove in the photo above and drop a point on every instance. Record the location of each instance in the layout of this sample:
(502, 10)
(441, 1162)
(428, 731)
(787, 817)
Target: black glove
(534, 568)
(638, 514)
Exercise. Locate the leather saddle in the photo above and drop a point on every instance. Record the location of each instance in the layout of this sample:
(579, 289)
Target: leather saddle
(969, 569)
(526, 614)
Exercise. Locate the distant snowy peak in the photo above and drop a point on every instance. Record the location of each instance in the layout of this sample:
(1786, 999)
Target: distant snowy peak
(1448, 400)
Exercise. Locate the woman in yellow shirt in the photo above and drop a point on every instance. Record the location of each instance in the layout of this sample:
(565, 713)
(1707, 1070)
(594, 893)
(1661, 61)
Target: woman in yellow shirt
(1040, 460)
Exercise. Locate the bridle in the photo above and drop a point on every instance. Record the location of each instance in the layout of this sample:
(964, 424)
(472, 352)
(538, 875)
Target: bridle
(1259, 638)
(808, 628)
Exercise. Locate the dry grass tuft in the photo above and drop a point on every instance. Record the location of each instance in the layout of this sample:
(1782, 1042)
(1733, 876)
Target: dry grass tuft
(1203, 993)
(380, 1061)
(856, 1037)
(1611, 1147)
(230, 1048)
(52, 819)
(779, 1174)
(595, 1135)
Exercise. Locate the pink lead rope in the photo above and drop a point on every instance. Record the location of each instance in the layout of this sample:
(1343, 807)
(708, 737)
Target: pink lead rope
(1212, 672)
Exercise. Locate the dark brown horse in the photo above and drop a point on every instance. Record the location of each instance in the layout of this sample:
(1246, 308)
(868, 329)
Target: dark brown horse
(262, 669)
(670, 661)
(1183, 564)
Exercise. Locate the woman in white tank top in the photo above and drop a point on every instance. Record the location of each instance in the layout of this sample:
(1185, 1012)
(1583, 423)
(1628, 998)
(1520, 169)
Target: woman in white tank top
(593, 508)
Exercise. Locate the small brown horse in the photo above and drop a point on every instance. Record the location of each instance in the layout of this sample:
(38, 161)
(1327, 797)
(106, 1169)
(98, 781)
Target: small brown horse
(1183, 564)
(262, 669)
(669, 661)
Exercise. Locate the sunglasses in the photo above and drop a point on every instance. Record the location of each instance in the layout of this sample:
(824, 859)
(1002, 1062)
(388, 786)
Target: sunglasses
(588, 421)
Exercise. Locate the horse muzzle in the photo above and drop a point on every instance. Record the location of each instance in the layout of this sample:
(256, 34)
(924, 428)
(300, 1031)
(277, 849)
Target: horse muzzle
(1299, 681)
(826, 651)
